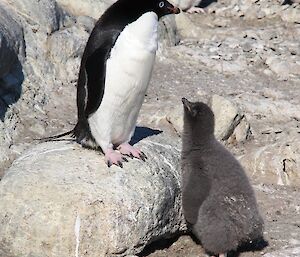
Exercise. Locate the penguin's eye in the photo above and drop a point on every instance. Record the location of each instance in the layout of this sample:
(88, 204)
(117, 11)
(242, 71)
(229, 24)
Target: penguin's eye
(161, 4)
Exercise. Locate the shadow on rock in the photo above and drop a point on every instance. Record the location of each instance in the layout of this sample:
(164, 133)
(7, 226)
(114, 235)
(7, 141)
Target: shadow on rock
(287, 2)
(10, 87)
(159, 245)
(256, 245)
(143, 132)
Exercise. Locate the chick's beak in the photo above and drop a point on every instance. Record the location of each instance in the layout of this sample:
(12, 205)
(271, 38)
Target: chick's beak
(186, 103)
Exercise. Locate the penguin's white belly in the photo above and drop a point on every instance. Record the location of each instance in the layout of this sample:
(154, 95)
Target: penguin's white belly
(128, 72)
(123, 97)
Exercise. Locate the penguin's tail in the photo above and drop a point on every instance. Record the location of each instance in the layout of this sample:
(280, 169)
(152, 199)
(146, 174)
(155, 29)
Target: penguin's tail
(57, 137)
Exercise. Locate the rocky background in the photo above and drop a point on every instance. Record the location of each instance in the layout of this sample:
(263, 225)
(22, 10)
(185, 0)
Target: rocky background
(243, 57)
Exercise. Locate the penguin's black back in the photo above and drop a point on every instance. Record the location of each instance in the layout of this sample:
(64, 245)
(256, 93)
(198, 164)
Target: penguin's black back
(226, 214)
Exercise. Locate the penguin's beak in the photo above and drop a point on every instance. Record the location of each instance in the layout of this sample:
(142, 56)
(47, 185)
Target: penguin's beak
(174, 9)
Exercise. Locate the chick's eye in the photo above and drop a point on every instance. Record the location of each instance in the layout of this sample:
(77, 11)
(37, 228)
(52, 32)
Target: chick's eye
(161, 4)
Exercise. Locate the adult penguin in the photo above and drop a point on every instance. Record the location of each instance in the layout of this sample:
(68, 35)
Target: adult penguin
(115, 71)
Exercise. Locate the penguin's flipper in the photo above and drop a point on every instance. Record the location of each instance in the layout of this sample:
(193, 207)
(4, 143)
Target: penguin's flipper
(195, 191)
(95, 69)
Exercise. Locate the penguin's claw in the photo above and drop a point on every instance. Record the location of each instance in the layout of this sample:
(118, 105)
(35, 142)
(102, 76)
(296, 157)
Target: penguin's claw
(114, 158)
(130, 151)
(143, 156)
(120, 164)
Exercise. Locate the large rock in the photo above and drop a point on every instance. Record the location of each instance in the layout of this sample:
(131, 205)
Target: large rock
(167, 32)
(291, 14)
(90, 8)
(59, 199)
(66, 47)
(42, 14)
(276, 163)
(284, 66)
(230, 123)
(186, 28)
(227, 118)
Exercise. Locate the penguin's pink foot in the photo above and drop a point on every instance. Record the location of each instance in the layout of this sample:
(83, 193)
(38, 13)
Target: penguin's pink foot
(195, 10)
(114, 158)
(129, 150)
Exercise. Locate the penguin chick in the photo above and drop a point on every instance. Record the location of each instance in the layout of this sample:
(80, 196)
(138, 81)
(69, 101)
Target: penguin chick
(218, 201)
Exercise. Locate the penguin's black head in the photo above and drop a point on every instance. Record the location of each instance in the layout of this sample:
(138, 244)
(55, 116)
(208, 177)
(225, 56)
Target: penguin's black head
(139, 7)
(198, 116)
(162, 7)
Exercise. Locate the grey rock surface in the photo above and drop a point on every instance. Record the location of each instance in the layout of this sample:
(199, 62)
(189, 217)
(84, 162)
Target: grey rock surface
(273, 49)
(276, 163)
(59, 199)
(72, 40)
(186, 28)
(43, 14)
(292, 252)
(92, 8)
(230, 123)
(227, 117)
(256, 10)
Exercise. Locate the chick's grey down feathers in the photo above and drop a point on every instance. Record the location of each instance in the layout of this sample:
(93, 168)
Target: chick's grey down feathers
(218, 201)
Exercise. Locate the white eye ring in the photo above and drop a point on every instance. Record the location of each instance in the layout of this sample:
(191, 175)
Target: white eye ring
(161, 4)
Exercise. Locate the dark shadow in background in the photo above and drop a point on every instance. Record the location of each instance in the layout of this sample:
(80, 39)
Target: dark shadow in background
(289, 2)
(11, 87)
(143, 132)
(205, 3)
